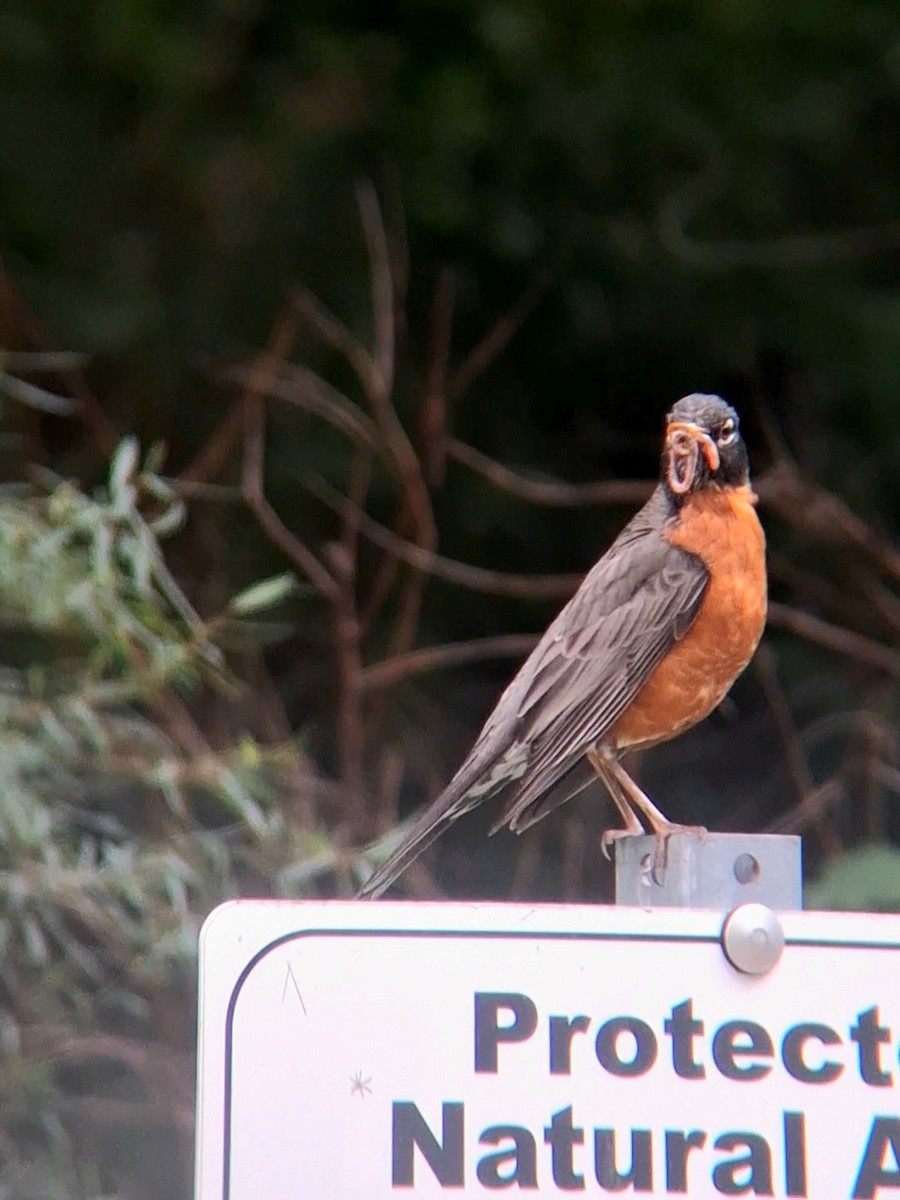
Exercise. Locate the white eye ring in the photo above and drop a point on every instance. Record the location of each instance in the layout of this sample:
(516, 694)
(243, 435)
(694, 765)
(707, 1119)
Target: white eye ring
(727, 433)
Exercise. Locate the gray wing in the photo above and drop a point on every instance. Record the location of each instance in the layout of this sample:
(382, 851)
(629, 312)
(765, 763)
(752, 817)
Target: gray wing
(594, 660)
(631, 608)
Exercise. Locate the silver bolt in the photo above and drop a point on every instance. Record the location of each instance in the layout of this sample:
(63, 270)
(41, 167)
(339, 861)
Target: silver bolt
(752, 938)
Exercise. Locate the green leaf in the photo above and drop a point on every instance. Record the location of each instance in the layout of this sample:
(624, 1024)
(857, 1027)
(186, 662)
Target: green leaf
(35, 397)
(265, 594)
(123, 466)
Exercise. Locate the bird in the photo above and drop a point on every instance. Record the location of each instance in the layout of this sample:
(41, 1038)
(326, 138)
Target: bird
(648, 645)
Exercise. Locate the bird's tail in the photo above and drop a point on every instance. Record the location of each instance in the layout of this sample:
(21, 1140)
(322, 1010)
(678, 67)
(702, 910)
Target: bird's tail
(428, 827)
(474, 782)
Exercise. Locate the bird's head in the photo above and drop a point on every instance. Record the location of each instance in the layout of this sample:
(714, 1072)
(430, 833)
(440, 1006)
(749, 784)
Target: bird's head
(703, 446)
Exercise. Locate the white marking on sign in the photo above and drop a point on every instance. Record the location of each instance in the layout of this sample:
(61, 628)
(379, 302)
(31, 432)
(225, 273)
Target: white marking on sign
(291, 982)
(550, 1049)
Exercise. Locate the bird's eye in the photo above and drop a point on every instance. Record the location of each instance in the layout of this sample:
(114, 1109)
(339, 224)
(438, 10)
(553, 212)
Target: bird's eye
(727, 433)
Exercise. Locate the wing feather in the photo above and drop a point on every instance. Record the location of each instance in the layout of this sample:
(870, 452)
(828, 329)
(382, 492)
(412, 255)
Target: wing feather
(637, 601)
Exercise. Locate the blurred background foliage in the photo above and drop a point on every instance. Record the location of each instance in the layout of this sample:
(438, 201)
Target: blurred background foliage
(388, 281)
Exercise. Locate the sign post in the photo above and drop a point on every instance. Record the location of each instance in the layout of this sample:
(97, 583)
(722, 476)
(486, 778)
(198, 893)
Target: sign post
(367, 1051)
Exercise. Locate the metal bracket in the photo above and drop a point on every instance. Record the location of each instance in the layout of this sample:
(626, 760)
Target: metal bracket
(718, 870)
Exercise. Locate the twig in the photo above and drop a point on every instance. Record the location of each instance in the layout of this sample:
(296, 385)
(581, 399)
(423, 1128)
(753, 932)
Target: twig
(401, 454)
(432, 423)
(790, 739)
(106, 436)
(163, 1070)
(304, 784)
(871, 745)
(350, 740)
(382, 283)
(295, 385)
(347, 638)
(396, 221)
(252, 474)
(435, 658)
(497, 583)
(764, 666)
(551, 493)
(386, 575)
(274, 527)
(189, 489)
(376, 377)
(823, 515)
(499, 336)
(391, 770)
(844, 641)
(212, 457)
(883, 601)
(357, 486)
(815, 591)
(811, 809)
(888, 776)
(174, 716)
(304, 389)
(794, 250)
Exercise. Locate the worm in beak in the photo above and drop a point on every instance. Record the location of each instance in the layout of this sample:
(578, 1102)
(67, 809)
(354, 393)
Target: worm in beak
(685, 442)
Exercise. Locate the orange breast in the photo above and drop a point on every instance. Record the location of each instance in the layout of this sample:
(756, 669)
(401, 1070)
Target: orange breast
(721, 526)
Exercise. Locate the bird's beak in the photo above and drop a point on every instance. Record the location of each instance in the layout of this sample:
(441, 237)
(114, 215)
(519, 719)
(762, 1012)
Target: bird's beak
(678, 432)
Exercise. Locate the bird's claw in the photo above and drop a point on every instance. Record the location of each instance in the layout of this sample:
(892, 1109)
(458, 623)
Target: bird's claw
(611, 836)
(661, 850)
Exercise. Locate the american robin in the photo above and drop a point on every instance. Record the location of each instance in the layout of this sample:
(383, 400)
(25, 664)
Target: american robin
(649, 644)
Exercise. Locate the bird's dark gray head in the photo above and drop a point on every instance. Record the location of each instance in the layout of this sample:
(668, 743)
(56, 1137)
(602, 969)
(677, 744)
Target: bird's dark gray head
(705, 410)
(703, 446)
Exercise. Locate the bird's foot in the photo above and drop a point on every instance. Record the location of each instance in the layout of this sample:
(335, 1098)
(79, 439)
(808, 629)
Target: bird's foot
(610, 836)
(663, 832)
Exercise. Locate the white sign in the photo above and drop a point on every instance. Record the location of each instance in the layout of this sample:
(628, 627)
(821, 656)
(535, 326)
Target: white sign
(366, 1051)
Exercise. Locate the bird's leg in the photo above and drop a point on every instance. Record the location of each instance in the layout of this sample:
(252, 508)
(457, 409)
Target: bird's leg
(633, 827)
(658, 822)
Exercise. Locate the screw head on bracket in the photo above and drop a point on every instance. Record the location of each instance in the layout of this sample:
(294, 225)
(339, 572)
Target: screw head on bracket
(752, 939)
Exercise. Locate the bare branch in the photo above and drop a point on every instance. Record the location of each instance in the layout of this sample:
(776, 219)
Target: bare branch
(304, 389)
(497, 583)
(392, 189)
(347, 639)
(382, 282)
(376, 380)
(798, 767)
(552, 493)
(401, 455)
(681, 207)
(811, 809)
(386, 576)
(455, 654)
(432, 417)
(348, 634)
(784, 722)
(211, 458)
(833, 637)
(499, 336)
(334, 333)
(106, 436)
(275, 529)
(824, 516)
(252, 476)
